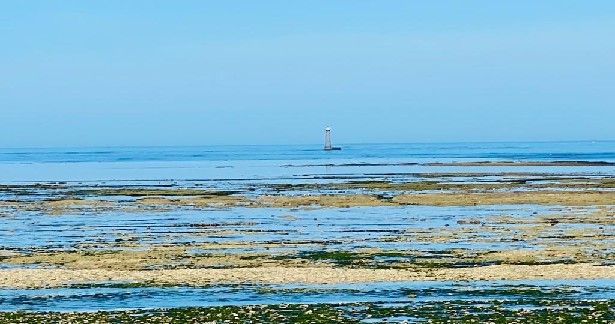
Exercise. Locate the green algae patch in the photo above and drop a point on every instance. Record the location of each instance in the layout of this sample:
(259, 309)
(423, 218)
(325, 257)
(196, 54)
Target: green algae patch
(523, 163)
(340, 201)
(342, 258)
(530, 309)
(476, 185)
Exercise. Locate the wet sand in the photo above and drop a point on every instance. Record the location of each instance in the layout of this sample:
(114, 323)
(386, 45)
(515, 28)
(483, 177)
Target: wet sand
(45, 278)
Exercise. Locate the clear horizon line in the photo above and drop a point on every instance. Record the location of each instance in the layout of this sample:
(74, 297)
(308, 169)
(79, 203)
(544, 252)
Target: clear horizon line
(307, 144)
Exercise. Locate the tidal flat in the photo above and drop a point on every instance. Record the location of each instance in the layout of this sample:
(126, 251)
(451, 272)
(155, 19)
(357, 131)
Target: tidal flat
(469, 245)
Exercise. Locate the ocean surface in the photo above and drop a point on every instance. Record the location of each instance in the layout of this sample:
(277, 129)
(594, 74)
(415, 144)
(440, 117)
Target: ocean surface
(268, 162)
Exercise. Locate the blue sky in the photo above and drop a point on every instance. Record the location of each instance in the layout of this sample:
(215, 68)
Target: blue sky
(98, 73)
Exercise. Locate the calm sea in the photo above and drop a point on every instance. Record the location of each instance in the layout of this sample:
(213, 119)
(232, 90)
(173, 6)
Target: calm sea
(229, 162)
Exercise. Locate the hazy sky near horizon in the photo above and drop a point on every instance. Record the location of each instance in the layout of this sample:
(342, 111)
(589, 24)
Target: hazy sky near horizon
(192, 72)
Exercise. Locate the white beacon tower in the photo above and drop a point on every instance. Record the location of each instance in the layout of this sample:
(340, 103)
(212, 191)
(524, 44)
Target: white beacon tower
(328, 139)
(328, 145)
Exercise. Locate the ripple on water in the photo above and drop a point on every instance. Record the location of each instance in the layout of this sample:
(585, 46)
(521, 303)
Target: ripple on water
(395, 294)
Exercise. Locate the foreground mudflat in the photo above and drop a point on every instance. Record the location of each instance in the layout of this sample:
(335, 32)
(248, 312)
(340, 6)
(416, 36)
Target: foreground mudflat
(565, 311)
(511, 244)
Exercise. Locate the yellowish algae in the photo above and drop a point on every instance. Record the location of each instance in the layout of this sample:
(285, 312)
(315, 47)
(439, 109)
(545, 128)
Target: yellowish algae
(42, 278)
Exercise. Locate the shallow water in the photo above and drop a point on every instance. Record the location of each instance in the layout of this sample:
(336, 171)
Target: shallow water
(393, 294)
(335, 228)
(272, 162)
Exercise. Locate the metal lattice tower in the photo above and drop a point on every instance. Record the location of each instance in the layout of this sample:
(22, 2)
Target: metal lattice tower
(328, 145)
